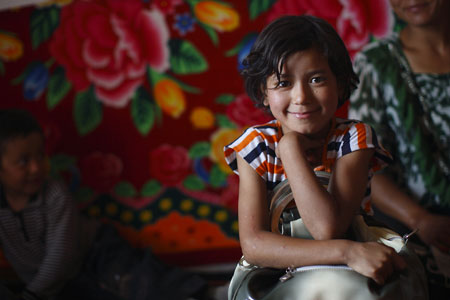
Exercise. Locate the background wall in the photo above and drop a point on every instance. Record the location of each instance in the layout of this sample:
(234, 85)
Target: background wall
(138, 98)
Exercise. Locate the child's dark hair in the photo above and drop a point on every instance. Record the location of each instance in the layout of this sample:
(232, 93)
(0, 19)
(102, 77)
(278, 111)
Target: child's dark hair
(16, 123)
(288, 35)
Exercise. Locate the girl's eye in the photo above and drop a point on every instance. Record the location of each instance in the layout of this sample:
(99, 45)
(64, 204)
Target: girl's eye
(317, 79)
(283, 83)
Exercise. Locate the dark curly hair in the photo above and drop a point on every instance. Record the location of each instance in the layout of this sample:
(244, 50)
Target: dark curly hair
(290, 34)
(15, 123)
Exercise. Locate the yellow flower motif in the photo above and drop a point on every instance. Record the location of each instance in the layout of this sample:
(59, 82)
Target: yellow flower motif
(94, 211)
(126, 216)
(165, 204)
(145, 216)
(217, 15)
(221, 216)
(203, 210)
(111, 209)
(235, 226)
(170, 97)
(186, 205)
(220, 139)
(11, 48)
(202, 118)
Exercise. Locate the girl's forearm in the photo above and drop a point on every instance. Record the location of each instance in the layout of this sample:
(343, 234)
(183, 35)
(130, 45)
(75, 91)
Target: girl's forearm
(268, 249)
(311, 198)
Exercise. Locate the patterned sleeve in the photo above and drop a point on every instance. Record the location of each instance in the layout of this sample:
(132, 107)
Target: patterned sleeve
(362, 136)
(250, 146)
(257, 147)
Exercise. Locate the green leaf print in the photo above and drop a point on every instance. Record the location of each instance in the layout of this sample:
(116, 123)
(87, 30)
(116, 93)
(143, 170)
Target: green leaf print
(225, 99)
(125, 189)
(257, 7)
(43, 22)
(88, 111)
(217, 176)
(194, 183)
(58, 87)
(185, 58)
(142, 111)
(224, 122)
(211, 33)
(151, 188)
(199, 150)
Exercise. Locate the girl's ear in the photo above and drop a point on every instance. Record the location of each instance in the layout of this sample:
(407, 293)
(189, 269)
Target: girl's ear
(266, 102)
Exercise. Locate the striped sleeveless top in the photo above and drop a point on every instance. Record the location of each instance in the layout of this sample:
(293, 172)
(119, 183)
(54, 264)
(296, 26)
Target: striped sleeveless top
(258, 143)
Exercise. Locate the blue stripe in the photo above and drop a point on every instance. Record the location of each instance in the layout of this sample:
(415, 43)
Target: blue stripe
(233, 165)
(260, 148)
(333, 146)
(346, 144)
(271, 185)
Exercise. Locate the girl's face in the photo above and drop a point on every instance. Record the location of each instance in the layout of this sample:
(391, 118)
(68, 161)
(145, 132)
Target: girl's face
(419, 13)
(306, 97)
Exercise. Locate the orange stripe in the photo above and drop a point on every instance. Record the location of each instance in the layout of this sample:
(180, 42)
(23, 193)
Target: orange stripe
(245, 142)
(269, 168)
(362, 136)
(249, 138)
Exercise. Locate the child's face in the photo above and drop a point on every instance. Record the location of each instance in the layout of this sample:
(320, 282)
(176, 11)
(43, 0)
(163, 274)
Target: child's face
(23, 166)
(307, 96)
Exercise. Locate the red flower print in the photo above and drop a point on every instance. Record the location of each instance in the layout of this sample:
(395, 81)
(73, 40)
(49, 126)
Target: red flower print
(109, 43)
(354, 20)
(100, 171)
(244, 113)
(169, 164)
(167, 7)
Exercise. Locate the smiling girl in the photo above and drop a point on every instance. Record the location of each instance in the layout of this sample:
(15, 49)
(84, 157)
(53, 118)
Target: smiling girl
(300, 72)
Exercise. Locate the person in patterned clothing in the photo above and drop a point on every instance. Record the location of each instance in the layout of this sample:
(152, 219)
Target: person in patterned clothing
(404, 93)
(300, 71)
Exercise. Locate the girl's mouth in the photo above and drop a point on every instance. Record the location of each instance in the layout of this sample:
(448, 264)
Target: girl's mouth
(416, 8)
(303, 115)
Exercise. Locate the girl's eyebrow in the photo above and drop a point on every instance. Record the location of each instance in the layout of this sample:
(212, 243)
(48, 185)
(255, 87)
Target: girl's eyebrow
(309, 73)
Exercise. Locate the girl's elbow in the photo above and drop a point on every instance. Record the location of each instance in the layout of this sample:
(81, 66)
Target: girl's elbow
(249, 247)
(326, 233)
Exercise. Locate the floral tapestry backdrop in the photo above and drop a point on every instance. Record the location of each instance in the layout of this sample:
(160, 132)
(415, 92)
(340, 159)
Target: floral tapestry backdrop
(137, 99)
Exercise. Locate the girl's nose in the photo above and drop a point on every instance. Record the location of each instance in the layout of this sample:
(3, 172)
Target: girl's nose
(300, 94)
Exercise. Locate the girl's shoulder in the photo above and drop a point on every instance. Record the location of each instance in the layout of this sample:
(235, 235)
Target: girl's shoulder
(352, 133)
(269, 132)
(342, 126)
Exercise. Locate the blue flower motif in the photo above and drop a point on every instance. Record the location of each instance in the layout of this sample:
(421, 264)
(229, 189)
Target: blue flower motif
(184, 23)
(35, 82)
(245, 50)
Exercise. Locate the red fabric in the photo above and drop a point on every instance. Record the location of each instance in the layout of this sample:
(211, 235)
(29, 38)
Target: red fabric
(138, 98)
